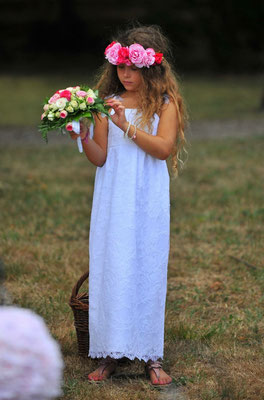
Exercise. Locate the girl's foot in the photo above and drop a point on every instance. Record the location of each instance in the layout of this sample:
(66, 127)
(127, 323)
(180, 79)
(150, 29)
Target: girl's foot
(156, 373)
(106, 367)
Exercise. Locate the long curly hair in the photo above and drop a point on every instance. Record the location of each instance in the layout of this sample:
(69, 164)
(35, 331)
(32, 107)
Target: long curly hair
(157, 81)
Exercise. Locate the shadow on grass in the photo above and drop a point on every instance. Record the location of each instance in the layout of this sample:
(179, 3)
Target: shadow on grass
(174, 391)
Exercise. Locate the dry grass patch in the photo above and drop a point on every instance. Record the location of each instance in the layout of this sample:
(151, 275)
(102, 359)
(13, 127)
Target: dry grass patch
(214, 315)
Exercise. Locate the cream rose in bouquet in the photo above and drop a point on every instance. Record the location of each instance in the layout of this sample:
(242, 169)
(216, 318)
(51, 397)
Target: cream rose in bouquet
(67, 106)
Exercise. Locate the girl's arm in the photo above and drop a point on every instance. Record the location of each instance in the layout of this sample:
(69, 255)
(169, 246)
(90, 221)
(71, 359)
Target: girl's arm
(159, 146)
(96, 148)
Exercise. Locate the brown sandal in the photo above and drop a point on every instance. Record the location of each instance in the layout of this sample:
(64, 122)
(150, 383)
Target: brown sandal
(156, 366)
(104, 363)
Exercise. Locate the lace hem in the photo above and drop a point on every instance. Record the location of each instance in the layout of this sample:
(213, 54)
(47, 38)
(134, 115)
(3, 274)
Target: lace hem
(116, 354)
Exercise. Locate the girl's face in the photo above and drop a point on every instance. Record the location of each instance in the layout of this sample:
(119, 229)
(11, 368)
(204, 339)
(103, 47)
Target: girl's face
(129, 76)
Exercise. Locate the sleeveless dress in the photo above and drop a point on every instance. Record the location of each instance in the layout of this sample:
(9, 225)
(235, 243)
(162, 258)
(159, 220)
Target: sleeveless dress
(128, 250)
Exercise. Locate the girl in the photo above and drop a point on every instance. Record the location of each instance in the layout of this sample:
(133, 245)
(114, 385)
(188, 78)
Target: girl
(129, 230)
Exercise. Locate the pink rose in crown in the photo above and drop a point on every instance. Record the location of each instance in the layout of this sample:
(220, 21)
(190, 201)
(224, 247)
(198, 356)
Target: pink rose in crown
(81, 93)
(90, 100)
(69, 127)
(123, 56)
(109, 47)
(63, 114)
(136, 54)
(46, 107)
(54, 98)
(112, 53)
(42, 116)
(66, 94)
(149, 57)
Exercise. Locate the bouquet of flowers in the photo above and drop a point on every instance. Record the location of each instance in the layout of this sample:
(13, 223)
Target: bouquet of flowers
(67, 106)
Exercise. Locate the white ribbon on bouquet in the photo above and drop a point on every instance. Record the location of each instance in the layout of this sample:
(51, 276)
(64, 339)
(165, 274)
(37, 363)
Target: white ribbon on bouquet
(77, 129)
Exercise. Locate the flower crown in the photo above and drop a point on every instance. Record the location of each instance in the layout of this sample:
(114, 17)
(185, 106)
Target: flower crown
(134, 54)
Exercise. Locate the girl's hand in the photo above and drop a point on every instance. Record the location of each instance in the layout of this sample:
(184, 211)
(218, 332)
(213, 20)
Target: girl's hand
(119, 117)
(83, 129)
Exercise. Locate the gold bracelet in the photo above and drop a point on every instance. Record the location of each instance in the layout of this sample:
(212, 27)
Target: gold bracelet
(126, 132)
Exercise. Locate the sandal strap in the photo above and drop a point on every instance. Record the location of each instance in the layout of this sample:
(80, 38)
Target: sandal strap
(156, 366)
(105, 362)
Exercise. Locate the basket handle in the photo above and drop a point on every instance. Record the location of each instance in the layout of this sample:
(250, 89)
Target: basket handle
(76, 288)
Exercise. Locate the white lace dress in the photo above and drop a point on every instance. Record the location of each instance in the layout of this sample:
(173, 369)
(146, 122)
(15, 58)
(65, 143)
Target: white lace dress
(128, 251)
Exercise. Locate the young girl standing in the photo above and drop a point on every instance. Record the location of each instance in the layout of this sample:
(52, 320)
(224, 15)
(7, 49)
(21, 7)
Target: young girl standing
(130, 219)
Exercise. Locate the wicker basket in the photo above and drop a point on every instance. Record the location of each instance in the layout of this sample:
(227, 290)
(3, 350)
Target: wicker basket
(80, 305)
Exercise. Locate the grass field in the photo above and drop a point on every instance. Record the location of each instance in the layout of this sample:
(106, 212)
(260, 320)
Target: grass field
(214, 314)
(220, 97)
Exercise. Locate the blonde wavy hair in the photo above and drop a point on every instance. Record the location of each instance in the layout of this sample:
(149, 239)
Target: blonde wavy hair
(157, 82)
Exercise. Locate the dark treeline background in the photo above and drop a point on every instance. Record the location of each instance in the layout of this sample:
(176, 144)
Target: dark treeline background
(208, 36)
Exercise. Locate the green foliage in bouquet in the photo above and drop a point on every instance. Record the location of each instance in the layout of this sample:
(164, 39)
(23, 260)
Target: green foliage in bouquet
(69, 105)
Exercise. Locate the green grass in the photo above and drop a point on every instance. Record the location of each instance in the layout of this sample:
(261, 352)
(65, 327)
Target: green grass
(214, 315)
(21, 97)
(223, 97)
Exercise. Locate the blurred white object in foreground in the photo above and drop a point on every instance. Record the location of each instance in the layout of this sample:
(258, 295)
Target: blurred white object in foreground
(31, 364)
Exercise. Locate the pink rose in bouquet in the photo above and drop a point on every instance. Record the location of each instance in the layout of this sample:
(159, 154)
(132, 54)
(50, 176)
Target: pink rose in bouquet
(90, 100)
(66, 93)
(81, 93)
(69, 126)
(54, 98)
(63, 114)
